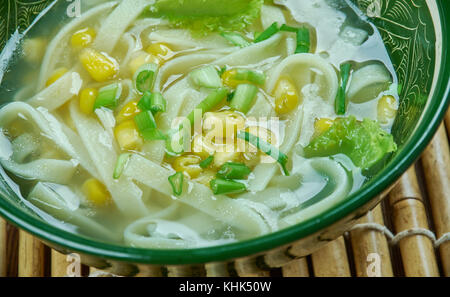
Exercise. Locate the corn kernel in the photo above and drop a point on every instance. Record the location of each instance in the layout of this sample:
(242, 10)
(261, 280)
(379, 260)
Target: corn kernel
(387, 109)
(322, 125)
(57, 74)
(87, 100)
(100, 67)
(223, 124)
(221, 158)
(141, 59)
(286, 97)
(83, 38)
(128, 136)
(128, 112)
(227, 78)
(188, 164)
(161, 51)
(96, 192)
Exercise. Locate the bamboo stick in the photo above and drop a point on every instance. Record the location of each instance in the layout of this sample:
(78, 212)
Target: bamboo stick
(296, 268)
(331, 260)
(217, 269)
(277, 257)
(3, 246)
(184, 270)
(247, 267)
(366, 242)
(149, 271)
(408, 210)
(31, 256)
(436, 165)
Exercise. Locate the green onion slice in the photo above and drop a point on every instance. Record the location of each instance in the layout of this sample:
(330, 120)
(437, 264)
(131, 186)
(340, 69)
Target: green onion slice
(243, 98)
(176, 182)
(221, 186)
(108, 96)
(303, 40)
(235, 39)
(266, 148)
(231, 170)
(120, 164)
(205, 163)
(211, 101)
(340, 102)
(153, 134)
(258, 78)
(145, 121)
(154, 102)
(269, 32)
(207, 77)
(145, 76)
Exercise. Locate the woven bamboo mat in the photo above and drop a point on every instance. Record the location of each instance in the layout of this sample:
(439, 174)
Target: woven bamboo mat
(407, 235)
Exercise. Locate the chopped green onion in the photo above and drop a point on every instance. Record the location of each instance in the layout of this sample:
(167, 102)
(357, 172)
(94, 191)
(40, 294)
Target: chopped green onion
(120, 164)
(222, 70)
(340, 103)
(153, 134)
(207, 77)
(176, 182)
(244, 97)
(231, 170)
(266, 148)
(287, 28)
(108, 96)
(257, 78)
(230, 96)
(145, 76)
(303, 40)
(205, 163)
(235, 39)
(269, 32)
(145, 121)
(211, 101)
(221, 186)
(154, 102)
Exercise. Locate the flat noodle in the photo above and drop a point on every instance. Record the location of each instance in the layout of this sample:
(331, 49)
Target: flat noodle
(198, 196)
(103, 152)
(58, 93)
(51, 202)
(117, 22)
(59, 43)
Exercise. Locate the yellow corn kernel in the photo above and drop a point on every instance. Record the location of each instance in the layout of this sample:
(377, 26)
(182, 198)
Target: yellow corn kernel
(188, 164)
(227, 78)
(223, 124)
(128, 136)
(128, 112)
(83, 38)
(322, 125)
(57, 74)
(141, 59)
(98, 65)
(387, 109)
(221, 158)
(286, 96)
(87, 100)
(96, 192)
(205, 177)
(161, 51)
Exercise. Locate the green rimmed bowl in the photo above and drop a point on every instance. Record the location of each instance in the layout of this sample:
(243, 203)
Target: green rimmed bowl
(416, 36)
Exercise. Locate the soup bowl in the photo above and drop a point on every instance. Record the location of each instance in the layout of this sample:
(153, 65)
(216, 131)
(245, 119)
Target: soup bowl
(415, 33)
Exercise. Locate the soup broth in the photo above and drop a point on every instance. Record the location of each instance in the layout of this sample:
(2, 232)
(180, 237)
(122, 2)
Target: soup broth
(173, 126)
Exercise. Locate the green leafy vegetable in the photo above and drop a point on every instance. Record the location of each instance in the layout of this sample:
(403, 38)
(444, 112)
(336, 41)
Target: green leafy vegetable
(216, 16)
(365, 143)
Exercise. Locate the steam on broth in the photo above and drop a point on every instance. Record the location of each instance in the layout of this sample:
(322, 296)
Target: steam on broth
(161, 126)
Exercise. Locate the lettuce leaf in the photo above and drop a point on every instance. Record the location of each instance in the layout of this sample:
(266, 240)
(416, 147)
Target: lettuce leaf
(205, 16)
(365, 143)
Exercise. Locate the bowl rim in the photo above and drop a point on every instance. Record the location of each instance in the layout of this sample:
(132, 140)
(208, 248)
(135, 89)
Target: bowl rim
(412, 150)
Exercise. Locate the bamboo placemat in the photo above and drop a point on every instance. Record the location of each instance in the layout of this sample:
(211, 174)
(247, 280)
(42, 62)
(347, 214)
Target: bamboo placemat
(408, 234)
